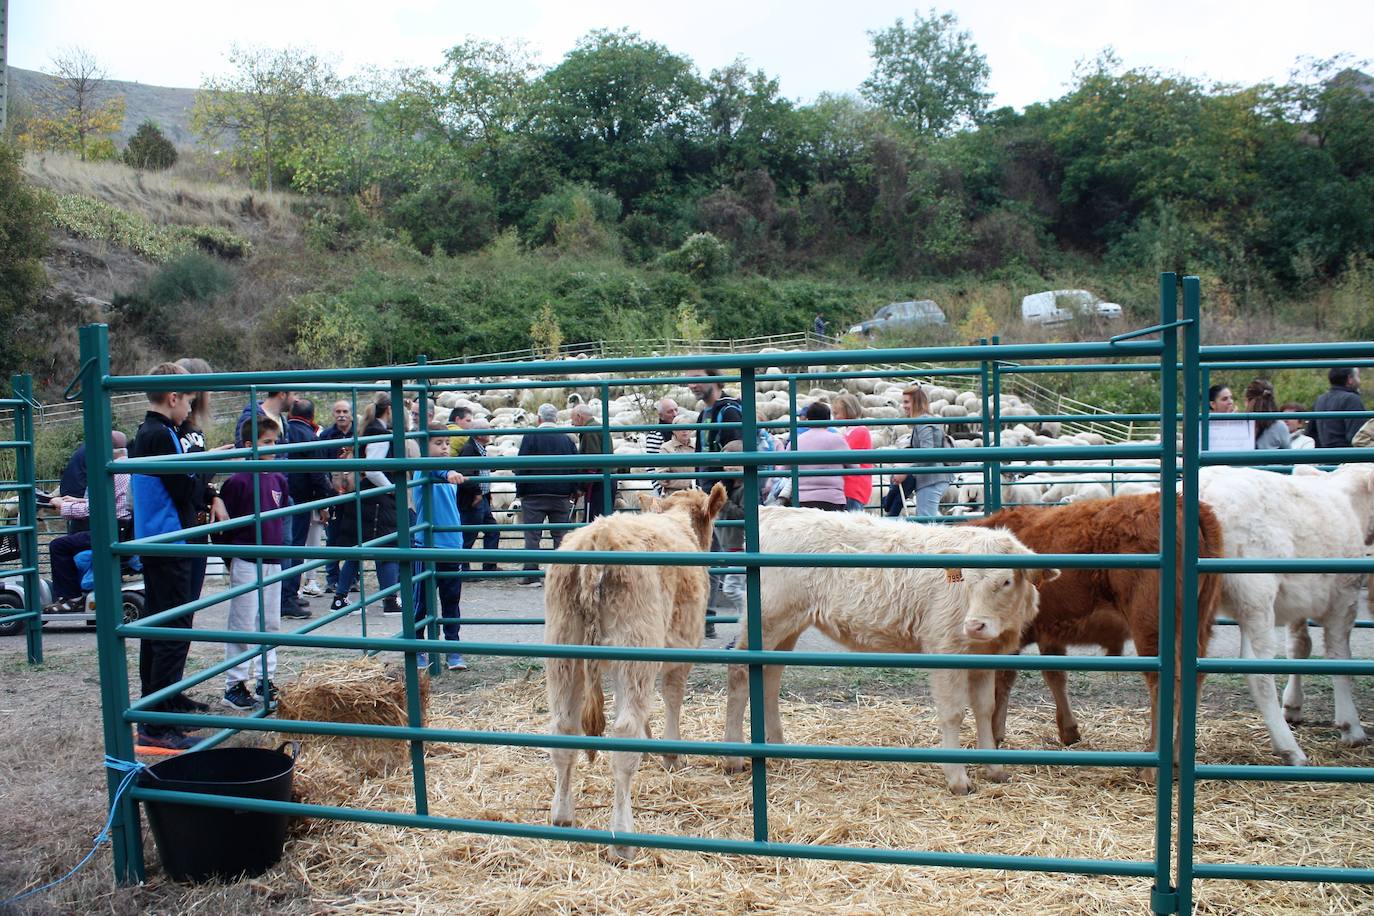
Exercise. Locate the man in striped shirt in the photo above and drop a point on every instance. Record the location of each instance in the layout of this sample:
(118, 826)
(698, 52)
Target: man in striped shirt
(653, 442)
(66, 581)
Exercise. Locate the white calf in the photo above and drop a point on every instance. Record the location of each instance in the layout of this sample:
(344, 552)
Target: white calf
(1274, 516)
(981, 611)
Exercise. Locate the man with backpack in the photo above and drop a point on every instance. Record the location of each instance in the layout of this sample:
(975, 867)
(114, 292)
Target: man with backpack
(721, 411)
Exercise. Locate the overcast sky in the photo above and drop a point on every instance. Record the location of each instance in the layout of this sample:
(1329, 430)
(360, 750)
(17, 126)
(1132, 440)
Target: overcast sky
(812, 46)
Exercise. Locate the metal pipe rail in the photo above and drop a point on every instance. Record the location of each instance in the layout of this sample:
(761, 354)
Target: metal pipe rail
(1172, 868)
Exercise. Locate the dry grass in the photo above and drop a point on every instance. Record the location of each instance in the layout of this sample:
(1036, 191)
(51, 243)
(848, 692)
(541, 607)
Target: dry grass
(166, 199)
(1096, 813)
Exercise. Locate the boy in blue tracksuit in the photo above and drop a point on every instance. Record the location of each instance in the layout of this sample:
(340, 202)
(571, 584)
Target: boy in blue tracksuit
(437, 503)
(164, 503)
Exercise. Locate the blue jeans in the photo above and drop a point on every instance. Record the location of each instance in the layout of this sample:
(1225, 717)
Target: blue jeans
(387, 574)
(300, 531)
(450, 595)
(928, 499)
(853, 505)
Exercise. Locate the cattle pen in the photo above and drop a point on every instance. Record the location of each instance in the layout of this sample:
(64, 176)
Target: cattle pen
(1171, 350)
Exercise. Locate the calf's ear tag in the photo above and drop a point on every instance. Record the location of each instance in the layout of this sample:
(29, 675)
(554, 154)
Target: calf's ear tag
(954, 575)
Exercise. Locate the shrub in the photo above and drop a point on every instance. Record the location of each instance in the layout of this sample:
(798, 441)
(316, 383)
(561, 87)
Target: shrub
(702, 256)
(452, 216)
(570, 214)
(149, 149)
(158, 306)
(545, 334)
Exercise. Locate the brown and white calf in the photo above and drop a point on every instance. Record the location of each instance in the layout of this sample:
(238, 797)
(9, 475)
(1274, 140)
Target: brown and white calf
(641, 606)
(1104, 607)
(943, 611)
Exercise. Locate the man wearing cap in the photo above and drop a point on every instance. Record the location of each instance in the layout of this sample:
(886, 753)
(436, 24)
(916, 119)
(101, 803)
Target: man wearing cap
(474, 497)
(544, 501)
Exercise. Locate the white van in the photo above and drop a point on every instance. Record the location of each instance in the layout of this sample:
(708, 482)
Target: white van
(1058, 306)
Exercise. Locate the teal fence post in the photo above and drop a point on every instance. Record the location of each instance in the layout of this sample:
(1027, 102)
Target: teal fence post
(25, 476)
(1163, 896)
(109, 605)
(753, 605)
(426, 496)
(989, 485)
(607, 482)
(1192, 399)
(993, 425)
(414, 714)
(792, 438)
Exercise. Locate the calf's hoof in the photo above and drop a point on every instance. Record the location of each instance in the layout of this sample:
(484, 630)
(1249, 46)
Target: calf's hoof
(562, 822)
(1352, 736)
(996, 773)
(672, 762)
(622, 853)
(960, 785)
(1292, 715)
(735, 765)
(1294, 758)
(1069, 736)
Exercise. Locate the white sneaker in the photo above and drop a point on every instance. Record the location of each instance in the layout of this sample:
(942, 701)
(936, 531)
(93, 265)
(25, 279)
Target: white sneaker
(312, 588)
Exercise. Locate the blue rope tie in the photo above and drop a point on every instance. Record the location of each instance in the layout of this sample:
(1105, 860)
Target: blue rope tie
(130, 769)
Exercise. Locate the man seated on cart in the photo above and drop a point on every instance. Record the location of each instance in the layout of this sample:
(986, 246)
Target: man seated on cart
(67, 594)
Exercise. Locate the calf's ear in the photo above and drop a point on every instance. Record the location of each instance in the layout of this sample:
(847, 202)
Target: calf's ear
(716, 500)
(649, 503)
(1039, 577)
(952, 573)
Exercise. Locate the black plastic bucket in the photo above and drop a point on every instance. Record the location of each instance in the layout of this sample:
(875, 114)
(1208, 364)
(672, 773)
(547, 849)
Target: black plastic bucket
(198, 843)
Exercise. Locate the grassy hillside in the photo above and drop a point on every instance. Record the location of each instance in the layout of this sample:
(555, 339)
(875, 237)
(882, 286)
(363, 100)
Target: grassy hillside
(324, 283)
(167, 107)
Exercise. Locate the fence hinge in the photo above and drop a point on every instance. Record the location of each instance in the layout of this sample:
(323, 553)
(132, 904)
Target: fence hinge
(1162, 902)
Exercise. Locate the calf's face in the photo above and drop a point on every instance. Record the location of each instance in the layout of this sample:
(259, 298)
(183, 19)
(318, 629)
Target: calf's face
(999, 603)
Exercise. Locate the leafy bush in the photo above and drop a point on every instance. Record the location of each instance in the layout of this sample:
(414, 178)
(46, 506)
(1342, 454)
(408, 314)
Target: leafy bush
(573, 209)
(164, 307)
(453, 217)
(702, 256)
(149, 149)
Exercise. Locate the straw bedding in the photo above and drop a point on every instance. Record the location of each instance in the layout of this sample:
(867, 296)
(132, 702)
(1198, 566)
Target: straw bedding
(1096, 813)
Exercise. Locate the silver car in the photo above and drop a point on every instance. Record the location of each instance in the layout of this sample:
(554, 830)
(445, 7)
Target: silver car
(901, 315)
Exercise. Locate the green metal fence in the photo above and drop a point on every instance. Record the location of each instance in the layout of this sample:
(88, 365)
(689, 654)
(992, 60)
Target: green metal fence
(24, 533)
(1174, 341)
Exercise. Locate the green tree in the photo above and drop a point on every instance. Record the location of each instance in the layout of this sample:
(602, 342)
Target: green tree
(269, 105)
(74, 111)
(751, 126)
(483, 92)
(149, 149)
(24, 229)
(931, 75)
(618, 112)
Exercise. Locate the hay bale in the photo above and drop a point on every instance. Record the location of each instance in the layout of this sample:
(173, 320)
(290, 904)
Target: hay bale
(362, 691)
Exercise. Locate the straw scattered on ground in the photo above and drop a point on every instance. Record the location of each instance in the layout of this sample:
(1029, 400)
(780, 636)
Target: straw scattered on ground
(1061, 811)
